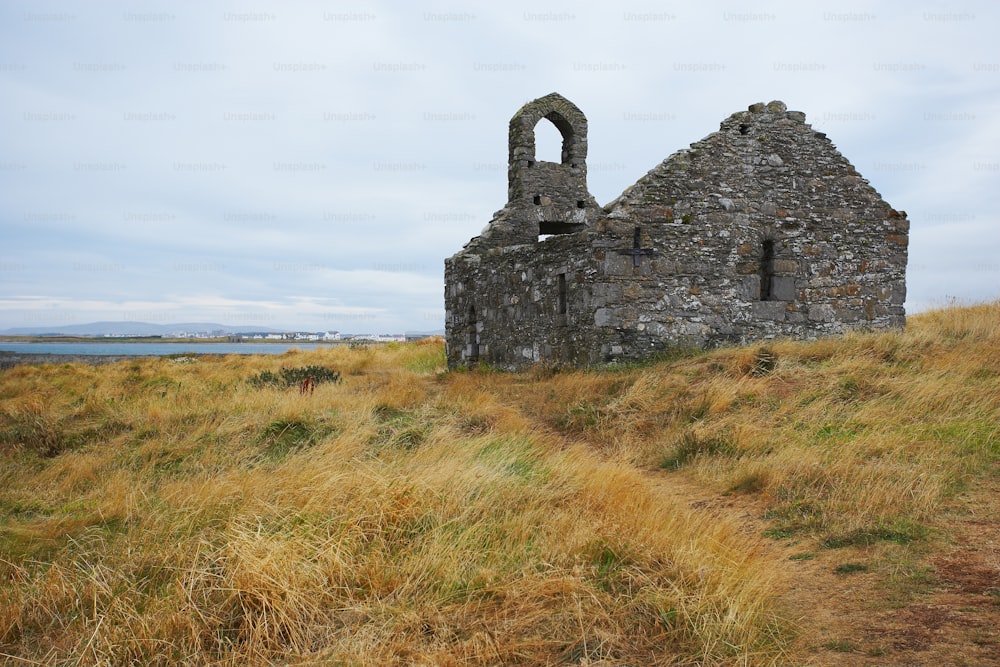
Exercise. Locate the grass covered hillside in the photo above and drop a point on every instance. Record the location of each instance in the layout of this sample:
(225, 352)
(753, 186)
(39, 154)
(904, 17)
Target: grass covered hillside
(829, 502)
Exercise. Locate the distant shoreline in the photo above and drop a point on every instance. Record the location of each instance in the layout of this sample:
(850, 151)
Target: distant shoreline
(53, 350)
(153, 339)
(11, 359)
(19, 350)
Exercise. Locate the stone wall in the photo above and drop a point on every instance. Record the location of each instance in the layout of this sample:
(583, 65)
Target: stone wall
(761, 229)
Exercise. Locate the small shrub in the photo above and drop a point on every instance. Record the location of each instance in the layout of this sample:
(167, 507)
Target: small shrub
(294, 377)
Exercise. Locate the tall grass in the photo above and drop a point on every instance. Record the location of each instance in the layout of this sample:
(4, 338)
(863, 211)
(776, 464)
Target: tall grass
(170, 510)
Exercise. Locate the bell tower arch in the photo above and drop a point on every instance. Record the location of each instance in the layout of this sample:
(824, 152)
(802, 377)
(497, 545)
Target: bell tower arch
(549, 197)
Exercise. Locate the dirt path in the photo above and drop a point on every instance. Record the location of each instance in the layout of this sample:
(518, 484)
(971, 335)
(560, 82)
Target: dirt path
(935, 602)
(940, 608)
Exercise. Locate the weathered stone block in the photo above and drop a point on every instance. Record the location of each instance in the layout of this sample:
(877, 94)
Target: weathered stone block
(748, 288)
(783, 288)
(822, 312)
(603, 317)
(773, 311)
(849, 315)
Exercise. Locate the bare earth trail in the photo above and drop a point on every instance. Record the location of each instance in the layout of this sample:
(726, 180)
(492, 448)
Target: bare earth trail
(953, 618)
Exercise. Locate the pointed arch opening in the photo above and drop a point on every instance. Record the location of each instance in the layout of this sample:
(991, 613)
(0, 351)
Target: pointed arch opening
(562, 145)
(549, 142)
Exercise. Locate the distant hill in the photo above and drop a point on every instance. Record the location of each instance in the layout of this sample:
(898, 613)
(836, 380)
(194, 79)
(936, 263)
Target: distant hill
(149, 329)
(132, 329)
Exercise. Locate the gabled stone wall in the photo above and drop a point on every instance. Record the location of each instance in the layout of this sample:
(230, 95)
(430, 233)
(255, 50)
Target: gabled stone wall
(761, 229)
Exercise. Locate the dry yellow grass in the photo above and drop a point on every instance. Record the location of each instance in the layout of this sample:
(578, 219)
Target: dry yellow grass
(165, 511)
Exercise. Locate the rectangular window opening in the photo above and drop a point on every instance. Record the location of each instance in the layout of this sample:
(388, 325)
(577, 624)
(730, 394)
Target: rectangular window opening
(562, 294)
(767, 271)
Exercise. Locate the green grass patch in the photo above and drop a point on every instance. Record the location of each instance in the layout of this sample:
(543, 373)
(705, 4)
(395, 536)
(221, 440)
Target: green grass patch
(691, 446)
(900, 532)
(399, 429)
(906, 580)
(850, 568)
(779, 533)
(284, 436)
(835, 433)
(792, 517)
(607, 562)
(515, 457)
(429, 359)
(841, 646)
(32, 430)
(580, 417)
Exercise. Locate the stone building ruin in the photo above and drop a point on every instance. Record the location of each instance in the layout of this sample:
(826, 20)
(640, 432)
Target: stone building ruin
(760, 230)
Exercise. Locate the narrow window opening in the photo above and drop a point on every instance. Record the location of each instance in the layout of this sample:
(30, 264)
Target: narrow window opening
(531, 163)
(767, 271)
(537, 200)
(548, 142)
(472, 337)
(744, 128)
(562, 294)
(581, 204)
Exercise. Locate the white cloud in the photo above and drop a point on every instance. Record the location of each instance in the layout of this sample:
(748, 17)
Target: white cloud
(170, 159)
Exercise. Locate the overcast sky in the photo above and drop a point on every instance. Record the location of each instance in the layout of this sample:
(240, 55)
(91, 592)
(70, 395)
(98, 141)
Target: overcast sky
(309, 165)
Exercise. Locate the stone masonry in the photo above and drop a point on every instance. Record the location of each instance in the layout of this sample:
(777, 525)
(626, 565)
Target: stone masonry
(760, 230)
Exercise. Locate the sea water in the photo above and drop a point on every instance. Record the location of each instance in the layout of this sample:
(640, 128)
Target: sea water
(154, 349)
